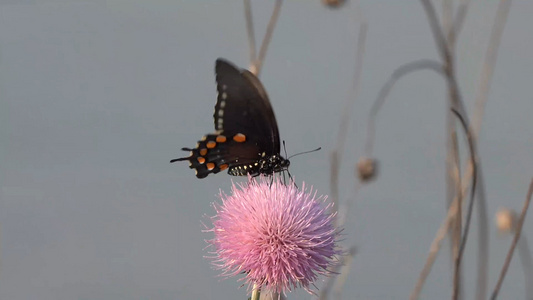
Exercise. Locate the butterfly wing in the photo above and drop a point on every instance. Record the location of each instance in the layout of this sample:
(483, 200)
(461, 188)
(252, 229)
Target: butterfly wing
(246, 128)
(221, 151)
(243, 107)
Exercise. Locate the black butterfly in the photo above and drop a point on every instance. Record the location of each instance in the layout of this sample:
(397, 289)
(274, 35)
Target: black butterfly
(247, 138)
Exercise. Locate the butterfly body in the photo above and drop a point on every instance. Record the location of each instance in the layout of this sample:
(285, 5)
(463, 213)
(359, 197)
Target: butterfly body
(267, 166)
(246, 141)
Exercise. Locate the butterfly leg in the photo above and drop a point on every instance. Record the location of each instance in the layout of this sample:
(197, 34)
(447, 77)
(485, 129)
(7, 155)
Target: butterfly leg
(291, 178)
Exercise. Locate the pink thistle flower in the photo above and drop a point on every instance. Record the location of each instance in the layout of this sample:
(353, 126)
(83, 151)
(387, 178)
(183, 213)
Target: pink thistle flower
(279, 236)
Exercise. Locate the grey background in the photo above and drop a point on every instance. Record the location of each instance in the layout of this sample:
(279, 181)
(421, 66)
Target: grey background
(97, 96)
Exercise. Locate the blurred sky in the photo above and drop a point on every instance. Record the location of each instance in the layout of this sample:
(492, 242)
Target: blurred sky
(97, 96)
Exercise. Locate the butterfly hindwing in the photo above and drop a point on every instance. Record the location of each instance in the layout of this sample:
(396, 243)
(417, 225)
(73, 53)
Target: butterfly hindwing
(218, 152)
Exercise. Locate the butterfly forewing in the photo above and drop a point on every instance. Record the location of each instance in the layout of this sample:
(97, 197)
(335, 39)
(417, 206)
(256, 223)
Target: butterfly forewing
(243, 106)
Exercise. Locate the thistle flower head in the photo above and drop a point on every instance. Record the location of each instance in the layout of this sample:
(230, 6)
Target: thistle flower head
(279, 236)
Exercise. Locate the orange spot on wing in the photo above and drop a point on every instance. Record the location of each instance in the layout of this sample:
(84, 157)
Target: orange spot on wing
(221, 139)
(201, 160)
(239, 138)
(203, 152)
(210, 166)
(223, 167)
(211, 144)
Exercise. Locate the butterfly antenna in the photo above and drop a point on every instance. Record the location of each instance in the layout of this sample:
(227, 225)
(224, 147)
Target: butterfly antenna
(284, 148)
(314, 150)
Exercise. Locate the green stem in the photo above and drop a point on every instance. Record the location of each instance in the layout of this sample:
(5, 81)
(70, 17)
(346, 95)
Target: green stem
(256, 293)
